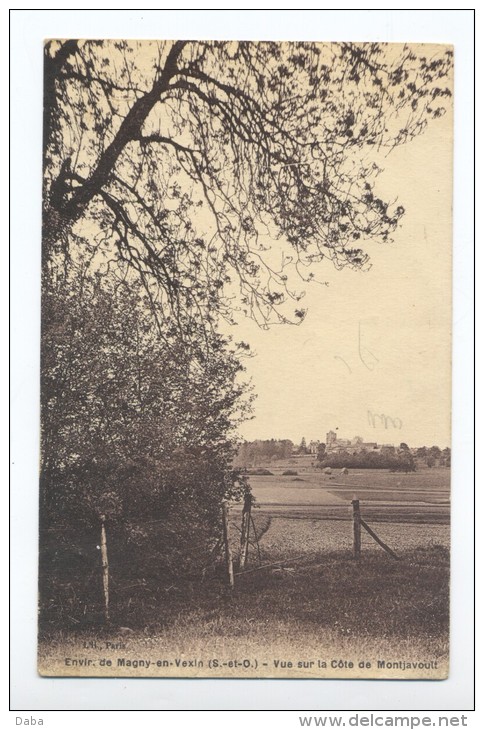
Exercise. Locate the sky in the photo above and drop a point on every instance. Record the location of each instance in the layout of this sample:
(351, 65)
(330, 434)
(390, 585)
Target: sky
(374, 343)
(373, 356)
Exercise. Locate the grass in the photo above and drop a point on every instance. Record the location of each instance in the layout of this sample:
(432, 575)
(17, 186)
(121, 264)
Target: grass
(321, 607)
(325, 606)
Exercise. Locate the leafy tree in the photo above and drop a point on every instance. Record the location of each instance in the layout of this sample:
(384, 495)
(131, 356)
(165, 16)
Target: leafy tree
(401, 461)
(404, 461)
(321, 451)
(132, 429)
(446, 457)
(126, 407)
(303, 449)
(253, 453)
(178, 156)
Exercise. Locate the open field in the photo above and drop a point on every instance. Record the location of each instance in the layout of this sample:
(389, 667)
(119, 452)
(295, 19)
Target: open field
(422, 497)
(291, 537)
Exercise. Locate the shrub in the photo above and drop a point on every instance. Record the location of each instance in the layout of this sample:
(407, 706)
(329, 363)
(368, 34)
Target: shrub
(134, 432)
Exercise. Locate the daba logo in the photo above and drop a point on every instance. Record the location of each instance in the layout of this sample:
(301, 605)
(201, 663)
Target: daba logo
(28, 721)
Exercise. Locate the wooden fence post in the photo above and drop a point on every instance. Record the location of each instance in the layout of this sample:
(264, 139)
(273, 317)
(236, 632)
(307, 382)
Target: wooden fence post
(245, 531)
(356, 528)
(228, 552)
(105, 567)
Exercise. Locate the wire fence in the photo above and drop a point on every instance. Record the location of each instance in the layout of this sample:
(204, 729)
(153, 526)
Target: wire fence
(87, 569)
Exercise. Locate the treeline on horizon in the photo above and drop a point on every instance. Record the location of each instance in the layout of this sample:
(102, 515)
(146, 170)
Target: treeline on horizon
(260, 452)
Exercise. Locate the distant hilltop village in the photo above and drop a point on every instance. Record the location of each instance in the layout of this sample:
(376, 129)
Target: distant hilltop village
(335, 445)
(340, 452)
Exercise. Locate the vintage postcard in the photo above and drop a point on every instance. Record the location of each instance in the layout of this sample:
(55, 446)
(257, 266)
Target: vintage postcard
(246, 359)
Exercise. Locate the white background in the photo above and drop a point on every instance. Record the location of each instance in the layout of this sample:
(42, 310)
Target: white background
(31, 694)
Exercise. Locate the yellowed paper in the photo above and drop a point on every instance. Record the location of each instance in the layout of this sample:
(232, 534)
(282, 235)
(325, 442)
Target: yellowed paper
(246, 311)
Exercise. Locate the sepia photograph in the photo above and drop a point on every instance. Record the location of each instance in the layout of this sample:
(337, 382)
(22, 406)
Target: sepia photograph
(246, 336)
